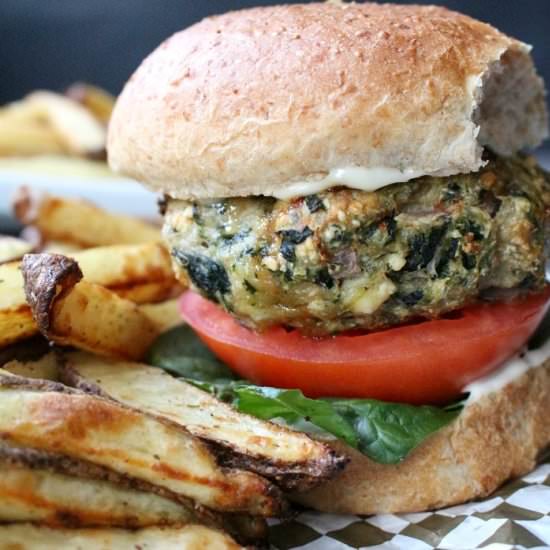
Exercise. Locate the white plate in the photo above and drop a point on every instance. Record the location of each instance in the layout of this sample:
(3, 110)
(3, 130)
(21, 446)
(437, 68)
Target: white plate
(115, 194)
(74, 177)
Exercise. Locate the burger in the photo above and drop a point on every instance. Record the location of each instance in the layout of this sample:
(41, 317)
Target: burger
(347, 196)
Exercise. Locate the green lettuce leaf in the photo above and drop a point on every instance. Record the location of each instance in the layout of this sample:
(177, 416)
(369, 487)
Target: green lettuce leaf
(181, 353)
(385, 432)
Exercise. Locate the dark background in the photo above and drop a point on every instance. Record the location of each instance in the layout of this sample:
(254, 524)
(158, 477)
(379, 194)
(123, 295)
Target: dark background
(51, 43)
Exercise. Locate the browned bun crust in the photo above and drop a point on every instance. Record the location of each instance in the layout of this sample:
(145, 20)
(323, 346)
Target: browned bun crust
(248, 102)
(494, 439)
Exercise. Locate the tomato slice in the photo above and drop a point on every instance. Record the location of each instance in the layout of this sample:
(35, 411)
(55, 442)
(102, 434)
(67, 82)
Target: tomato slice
(428, 362)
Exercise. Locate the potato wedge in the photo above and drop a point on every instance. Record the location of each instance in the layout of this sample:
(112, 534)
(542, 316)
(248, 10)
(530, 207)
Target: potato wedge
(59, 247)
(80, 222)
(95, 319)
(164, 315)
(33, 537)
(148, 293)
(27, 138)
(16, 321)
(98, 101)
(76, 128)
(52, 489)
(292, 459)
(12, 249)
(140, 273)
(45, 368)
(76, 313)
(51, 417)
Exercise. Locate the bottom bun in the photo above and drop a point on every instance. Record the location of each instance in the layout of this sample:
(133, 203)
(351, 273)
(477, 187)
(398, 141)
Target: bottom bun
(495, 438)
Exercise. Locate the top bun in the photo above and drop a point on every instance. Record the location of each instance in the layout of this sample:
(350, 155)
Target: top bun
(254, 101)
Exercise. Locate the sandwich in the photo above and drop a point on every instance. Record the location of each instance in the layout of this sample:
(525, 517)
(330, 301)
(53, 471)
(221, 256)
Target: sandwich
(348, 196)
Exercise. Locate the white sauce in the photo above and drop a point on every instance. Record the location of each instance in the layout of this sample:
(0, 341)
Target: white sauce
(355, 177)
(508, 372)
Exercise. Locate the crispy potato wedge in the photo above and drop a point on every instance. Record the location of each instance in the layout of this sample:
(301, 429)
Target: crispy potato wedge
(33, 537)
(165, 315)
(51, 417)
(16, 321)
(140, 273)
(76, 313)
(45, 368)
(126, 265)
(44, 487)
(148, 293)
(93, 318)
(80, 222)
(292, 459)
(12, 249)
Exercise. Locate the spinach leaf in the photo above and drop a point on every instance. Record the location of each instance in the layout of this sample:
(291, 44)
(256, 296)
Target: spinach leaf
(180, 352)
(293, 407)
(208, 275)
(387, 432)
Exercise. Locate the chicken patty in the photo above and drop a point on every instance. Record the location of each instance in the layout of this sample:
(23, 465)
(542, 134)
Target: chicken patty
(347, 259)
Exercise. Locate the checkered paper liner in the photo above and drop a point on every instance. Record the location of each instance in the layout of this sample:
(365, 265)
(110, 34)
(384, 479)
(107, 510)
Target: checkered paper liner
(516, 516)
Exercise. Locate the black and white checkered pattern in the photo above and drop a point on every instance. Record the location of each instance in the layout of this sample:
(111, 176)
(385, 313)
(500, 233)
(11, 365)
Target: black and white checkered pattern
(516, 516)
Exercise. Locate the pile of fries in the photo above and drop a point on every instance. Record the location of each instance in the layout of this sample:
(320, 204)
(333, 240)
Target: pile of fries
(98, 450)
(47, 123)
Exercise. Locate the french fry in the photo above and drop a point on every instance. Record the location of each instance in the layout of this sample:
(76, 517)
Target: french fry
(75, 127)
(76, 313)
(21, 112)
(140, 273)
(23, 134)
(34, 537)
(98, 101)
(148, 293)
(12, 249)
(79, 222)
(49, 123)
(292, 459)
(53, 418)
(93, 318)
(27, 140)
(55, 490)
(16, 322)
(59, 247)
(45, 368)
(164, 315)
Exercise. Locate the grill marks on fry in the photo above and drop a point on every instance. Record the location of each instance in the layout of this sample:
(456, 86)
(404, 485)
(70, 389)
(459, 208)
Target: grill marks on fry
(291, 459)
(55, 418)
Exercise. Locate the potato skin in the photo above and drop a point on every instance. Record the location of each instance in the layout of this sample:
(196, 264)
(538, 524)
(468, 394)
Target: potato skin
(45, 277)
(347, 259)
